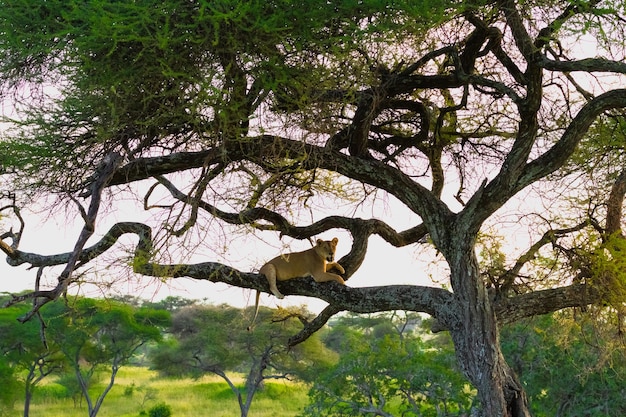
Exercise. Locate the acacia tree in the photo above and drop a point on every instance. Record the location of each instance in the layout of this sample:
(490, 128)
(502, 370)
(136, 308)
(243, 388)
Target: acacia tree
(25, 354)
(96, 335)
(215, 339)
(250, 114)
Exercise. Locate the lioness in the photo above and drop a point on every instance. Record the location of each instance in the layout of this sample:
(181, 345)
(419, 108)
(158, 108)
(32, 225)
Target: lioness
(313, 262)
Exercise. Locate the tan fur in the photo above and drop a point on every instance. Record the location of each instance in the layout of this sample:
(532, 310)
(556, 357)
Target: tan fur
(314, 262)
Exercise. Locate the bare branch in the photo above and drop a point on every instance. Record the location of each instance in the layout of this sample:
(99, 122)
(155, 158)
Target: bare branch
(550, 236)
(15, 236)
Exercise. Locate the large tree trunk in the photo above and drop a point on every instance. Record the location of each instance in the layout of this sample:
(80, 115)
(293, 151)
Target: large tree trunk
(476, 340)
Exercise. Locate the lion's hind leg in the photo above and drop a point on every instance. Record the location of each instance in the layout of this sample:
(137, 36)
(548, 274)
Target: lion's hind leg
(269, 271)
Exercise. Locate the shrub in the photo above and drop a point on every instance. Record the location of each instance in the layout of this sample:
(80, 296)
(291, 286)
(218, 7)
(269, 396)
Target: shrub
(160, 410)
(129, 390)
(51, 391)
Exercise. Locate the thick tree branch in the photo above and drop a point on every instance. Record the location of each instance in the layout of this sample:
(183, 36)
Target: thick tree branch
(512, 177)
(266, 149)
(546, 34)
(535, 303)
(17, 257)
(562, 150)
(143, 168)
(521, 37)
(434, 301)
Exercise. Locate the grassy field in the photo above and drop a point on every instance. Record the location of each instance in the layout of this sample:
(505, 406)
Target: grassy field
(138, 389)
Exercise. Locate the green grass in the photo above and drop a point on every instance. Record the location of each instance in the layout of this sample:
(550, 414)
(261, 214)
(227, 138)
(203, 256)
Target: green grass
(134, 386)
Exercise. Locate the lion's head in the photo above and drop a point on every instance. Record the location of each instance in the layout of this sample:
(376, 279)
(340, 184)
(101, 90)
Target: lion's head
(326, 249)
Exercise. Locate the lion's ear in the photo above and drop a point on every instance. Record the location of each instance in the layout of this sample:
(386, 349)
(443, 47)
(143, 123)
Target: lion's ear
(335, 240)
(319, 242)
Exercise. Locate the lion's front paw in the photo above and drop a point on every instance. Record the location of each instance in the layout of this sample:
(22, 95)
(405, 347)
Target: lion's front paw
(336, 267)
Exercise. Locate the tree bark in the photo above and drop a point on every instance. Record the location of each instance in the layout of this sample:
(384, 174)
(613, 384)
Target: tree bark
(476, 339)
(27, 398)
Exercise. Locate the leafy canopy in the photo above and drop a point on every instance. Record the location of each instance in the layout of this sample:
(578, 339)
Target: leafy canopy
(96, 76)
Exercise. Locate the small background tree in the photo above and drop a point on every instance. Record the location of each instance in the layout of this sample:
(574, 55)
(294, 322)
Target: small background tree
(96, 335)
(215, 339)
(26, 354)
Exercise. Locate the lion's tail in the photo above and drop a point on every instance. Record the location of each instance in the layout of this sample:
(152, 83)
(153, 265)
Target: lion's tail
(256, 310)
